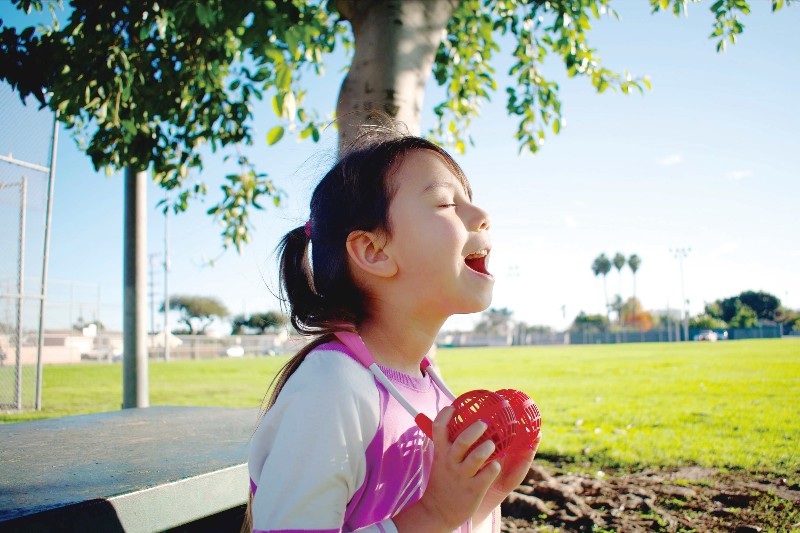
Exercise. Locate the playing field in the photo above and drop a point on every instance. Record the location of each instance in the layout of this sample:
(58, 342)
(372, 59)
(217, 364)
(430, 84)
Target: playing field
(732, 404)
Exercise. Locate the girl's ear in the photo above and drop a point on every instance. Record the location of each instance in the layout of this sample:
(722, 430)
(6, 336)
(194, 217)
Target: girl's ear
(366, 251)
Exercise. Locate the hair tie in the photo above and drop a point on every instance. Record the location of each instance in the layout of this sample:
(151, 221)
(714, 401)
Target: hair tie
(307, 228)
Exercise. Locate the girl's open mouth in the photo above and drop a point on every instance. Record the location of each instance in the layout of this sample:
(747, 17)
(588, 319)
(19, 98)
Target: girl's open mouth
(478, 261)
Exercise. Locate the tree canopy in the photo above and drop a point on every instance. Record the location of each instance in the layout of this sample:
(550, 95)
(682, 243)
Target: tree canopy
(589, 323)
(197, 312)
(494, 321)
(150, 84)
(259, 322)
(745, 307)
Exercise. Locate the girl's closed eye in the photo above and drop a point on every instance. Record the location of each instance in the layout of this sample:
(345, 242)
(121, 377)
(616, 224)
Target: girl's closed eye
(448, 204)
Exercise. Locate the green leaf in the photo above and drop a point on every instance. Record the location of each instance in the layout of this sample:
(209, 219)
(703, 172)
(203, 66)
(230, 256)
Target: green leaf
(261, 75)
(283, 77)
(204, 15)
(277, 104)
(275, 135)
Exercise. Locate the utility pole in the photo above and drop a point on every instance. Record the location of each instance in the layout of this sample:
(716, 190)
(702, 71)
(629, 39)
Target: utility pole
(151, 285)
(135, 383)
(166, 281)
(680, 254)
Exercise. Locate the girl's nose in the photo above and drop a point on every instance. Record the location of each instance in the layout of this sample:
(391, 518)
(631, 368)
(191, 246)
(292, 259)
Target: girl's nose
(480, 219)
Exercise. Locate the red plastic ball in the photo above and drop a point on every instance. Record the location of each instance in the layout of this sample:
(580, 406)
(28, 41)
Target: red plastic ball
(491, 408)
(529, 420)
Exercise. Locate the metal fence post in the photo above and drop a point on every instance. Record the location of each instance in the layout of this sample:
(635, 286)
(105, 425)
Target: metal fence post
(23, 190)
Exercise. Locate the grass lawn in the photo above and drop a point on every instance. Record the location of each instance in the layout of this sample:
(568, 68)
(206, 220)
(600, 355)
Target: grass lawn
(731, 404)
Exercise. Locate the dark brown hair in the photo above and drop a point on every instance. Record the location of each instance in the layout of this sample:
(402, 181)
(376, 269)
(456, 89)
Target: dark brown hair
(355, 194)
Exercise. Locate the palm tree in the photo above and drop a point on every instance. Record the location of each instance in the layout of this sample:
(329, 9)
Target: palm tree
(601, 267)
(633, 262)
(619, 262)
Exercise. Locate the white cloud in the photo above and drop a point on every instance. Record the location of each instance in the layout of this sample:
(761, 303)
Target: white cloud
(738, 174)
(570, 221)
(670, 160)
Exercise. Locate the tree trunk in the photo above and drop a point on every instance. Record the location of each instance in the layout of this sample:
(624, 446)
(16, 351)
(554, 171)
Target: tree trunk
(395, 45)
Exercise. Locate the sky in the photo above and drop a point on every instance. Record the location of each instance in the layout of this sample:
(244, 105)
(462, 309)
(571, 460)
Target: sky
(706, 162)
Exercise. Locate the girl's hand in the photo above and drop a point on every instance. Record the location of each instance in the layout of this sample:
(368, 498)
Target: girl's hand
(515, 467)
(458, 481)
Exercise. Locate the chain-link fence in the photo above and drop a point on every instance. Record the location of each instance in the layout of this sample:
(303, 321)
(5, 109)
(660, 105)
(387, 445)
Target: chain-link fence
(27, 136)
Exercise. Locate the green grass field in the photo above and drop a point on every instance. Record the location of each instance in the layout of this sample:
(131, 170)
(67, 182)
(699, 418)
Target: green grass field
(733, 405)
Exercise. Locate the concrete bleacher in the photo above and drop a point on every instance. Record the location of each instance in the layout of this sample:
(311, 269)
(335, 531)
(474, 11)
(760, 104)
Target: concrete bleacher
(133, 470)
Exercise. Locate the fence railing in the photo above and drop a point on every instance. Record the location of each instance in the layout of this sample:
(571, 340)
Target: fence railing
(70, 346)
(667, 335)
(675, 334)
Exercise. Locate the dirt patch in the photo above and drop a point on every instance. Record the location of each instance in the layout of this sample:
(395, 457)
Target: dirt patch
(670, 500)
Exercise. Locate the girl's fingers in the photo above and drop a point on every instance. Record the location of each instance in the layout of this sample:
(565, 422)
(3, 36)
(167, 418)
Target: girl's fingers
(536, 443)
(440, 426)
(467, 438)
(516, 466)
(488, 475)
(475, 460)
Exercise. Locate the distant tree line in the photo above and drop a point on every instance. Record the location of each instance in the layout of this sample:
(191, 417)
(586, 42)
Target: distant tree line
(259, 323)
(747, 310)
(197, 313)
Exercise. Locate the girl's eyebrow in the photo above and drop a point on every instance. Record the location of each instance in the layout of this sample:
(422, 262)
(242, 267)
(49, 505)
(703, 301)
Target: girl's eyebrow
(441, 184)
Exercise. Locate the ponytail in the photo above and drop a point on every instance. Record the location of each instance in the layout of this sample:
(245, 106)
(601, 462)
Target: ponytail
(297, 280)
(310, 312)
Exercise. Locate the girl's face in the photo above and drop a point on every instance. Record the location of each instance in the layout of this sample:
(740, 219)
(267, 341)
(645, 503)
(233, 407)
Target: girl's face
(439, 238)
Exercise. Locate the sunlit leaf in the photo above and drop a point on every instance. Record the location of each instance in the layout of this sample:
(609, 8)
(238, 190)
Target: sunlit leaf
(275, 135)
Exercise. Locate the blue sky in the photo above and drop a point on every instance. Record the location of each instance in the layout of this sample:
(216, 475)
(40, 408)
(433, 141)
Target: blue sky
(707, 160)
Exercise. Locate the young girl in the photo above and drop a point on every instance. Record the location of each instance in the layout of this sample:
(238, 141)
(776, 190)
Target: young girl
(396, 247)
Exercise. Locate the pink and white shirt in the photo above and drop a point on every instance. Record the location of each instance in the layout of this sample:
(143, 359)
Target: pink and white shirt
(337, 453)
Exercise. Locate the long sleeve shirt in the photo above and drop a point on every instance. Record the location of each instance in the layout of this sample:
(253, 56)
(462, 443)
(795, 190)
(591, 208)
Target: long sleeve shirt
(337, 453)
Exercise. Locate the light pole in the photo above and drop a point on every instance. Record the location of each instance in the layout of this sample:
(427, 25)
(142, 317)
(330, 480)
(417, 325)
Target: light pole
(680, 254)
(166, 281)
